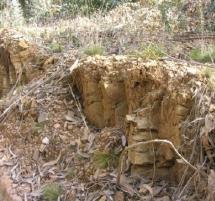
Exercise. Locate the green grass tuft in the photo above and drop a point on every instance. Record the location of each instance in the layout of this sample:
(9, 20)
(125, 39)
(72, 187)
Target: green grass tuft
(51, 192)
(150, 51)
(103, 159)
(56, 47)
(94, 50)
(204, 56)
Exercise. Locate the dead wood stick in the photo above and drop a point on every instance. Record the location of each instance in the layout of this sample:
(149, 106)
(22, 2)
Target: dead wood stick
(120, 168)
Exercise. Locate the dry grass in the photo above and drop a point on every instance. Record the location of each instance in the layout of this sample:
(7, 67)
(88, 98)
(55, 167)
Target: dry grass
(123, 29)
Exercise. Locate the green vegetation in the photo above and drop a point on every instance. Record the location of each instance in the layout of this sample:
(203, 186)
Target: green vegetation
(56, 47)
(51, 192)
(150, 51)
(203, 55)
(94, 50)
(104, 159)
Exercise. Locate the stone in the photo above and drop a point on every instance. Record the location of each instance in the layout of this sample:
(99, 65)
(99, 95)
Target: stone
(45, 141)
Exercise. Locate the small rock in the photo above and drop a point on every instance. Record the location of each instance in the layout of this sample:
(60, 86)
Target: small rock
(43, 116)
(212, 108)
(45, 141)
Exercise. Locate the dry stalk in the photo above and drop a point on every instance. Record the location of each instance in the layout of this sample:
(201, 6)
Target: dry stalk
(120, 168)
(77, 103)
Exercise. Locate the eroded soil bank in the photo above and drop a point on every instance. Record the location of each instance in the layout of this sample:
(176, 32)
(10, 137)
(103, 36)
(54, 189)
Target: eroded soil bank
(148, 100)
(68, 111)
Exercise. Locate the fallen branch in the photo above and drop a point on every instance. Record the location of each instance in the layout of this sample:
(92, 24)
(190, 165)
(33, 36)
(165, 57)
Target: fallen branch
(120, 167)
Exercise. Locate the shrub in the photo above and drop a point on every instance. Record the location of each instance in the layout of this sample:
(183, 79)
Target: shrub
(51, 192)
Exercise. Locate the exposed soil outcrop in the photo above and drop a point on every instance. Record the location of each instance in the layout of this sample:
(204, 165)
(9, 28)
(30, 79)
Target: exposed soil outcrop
(150, 100)
(20, 60)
